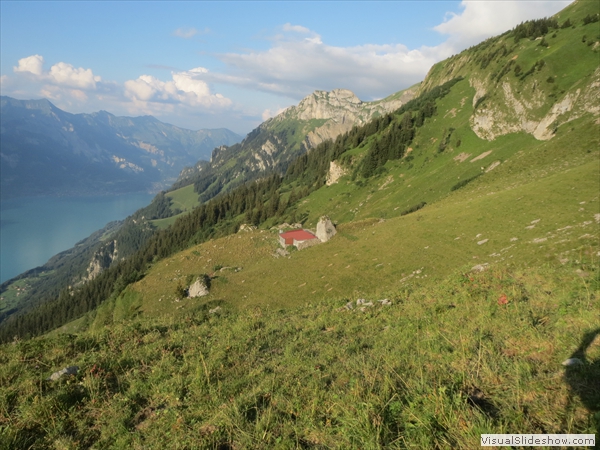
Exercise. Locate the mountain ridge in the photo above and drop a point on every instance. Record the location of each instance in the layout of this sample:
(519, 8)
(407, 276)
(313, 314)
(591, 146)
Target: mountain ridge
(271, 146)
(47, 151)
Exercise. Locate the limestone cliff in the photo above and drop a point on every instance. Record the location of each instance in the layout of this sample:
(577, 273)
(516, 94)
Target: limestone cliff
(340, 110)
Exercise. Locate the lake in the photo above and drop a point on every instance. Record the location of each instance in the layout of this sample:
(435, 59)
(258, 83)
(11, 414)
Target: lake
(32, 230)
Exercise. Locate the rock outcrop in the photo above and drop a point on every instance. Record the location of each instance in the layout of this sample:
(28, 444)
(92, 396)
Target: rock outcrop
(102, 260)
(199, 288)
(341, 109)
(335, 173)
(325, 229)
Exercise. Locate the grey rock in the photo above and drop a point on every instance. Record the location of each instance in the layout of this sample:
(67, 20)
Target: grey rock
(363, 302)
(197, 289)
(71, 370)
(479, 267)
(572, 362)
(325, 229)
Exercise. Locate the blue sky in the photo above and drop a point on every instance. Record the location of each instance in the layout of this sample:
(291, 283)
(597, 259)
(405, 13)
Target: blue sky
(233, 64)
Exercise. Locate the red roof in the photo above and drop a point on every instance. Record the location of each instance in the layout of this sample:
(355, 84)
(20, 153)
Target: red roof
(298, 235)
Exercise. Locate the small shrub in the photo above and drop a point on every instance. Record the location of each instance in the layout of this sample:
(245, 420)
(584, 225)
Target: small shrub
(413, 209)
(480, 100)
(591, 19)
(180, 291)
(517, 70)
(550, 79)
(464, 182)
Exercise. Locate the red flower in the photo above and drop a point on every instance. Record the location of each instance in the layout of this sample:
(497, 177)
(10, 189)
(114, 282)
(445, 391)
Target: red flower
(502, 300)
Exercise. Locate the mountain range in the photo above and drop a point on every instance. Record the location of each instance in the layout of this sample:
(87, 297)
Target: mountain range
(47, 151)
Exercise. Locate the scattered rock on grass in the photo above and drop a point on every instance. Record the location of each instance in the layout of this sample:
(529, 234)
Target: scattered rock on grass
(363, 302)
(480, 267)
(71, 370)
(572, 362)
(280, 252)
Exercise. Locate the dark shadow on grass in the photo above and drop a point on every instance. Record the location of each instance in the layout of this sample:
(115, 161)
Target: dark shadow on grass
(583, 378)
(477, 399)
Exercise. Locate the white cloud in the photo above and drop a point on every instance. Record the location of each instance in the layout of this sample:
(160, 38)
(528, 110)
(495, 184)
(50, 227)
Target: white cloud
(297, 67)
(296, 28)
(268, 113)
(185, 33)
(184, 88)
(60, 74)
(480, 20)
(185, 94)
(296, 63)
(66, 75)
(32, 64)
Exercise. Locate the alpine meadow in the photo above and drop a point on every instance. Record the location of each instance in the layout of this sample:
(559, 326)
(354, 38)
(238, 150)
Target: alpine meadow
(456, 292)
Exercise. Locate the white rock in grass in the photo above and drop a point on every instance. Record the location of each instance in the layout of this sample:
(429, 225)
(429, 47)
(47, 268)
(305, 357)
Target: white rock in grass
(482, 242)
(479, 267)
(71, 370)
(572, 362)
(198, 289)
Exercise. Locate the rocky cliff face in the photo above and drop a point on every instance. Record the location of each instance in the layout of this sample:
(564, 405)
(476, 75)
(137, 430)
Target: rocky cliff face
(335, 173)
(101, 260)
(340, 109)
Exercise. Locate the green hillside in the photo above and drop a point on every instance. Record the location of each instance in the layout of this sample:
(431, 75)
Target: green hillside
(464, 272)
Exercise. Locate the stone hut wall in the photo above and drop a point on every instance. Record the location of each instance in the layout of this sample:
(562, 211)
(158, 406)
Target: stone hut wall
(305, 244)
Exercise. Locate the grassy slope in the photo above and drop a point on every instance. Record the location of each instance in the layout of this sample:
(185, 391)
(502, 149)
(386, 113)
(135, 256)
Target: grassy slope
(184, 199)
(441, 365)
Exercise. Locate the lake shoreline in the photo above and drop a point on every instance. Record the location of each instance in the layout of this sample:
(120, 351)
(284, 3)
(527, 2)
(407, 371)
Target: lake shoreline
(34, 229)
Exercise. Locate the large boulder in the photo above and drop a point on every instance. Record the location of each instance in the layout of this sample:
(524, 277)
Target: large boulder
(199, 288)
(325, 229)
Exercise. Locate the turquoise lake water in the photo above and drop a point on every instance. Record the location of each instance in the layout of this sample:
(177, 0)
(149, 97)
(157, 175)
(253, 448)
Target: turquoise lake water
(32, 230)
